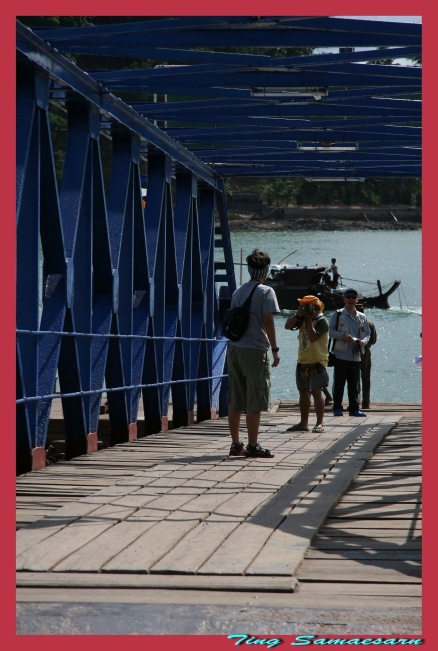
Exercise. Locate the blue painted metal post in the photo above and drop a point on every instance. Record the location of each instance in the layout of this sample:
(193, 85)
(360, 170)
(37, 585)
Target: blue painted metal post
(205, 409)
(77, 221)
(155, 398)
(111, 298)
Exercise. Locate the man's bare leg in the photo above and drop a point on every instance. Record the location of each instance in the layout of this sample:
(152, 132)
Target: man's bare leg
(319, 402)
(253, 424)
(234, 424)
(304, 409)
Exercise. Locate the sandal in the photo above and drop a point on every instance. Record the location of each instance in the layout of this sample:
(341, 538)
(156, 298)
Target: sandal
(297, 428)
(236, 450)
(258, 451)
(318, 429)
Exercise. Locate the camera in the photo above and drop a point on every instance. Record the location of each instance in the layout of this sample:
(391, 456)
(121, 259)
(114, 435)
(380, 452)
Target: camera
(310, 309)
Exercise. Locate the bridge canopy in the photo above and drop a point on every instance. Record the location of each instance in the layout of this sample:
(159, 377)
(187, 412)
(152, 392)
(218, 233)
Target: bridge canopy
(125, 133)
(349, 107)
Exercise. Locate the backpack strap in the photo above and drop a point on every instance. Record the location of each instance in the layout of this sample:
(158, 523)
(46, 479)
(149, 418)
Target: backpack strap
(332, 341)
(247, 301)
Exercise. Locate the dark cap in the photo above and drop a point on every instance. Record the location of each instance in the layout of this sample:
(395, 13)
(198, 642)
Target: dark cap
(350, 290)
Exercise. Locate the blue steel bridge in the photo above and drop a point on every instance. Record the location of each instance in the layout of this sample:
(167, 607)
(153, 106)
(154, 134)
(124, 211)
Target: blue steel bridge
(119, 300)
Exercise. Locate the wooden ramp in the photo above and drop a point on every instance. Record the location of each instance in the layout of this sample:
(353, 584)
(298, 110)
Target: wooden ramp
(172, 510)
(369, 548)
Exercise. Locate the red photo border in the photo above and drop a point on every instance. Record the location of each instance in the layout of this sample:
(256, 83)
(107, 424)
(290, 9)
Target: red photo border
(7, 257)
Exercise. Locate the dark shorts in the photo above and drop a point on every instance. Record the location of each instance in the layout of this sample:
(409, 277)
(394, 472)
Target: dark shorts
(311, 376)
(249, 382)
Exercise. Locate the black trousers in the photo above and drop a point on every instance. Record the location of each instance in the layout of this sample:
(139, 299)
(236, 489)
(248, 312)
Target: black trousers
(365, 374)
(346, 372)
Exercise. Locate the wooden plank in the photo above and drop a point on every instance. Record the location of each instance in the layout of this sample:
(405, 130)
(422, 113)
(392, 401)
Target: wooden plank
(373, 534)
(35, 533)
(396, 524)
(377, 511)
(364, 542)
(284, 550)
(150, 581)
(49, 552)
(92, 556)
(151, 546)
(376, 497)
(365, 571)
(162, 506)
(368, 589)
(197, 546)
(244, 543)
(387, 554)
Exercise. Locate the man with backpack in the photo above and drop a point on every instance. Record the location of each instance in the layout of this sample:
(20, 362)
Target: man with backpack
(350, 331)
(247, 358)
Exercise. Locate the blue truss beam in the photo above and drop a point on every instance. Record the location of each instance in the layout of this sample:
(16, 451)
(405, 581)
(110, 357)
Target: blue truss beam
(66, 73)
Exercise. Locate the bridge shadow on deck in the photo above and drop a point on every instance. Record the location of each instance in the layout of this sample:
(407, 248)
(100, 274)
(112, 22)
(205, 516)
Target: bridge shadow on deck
(208, 515)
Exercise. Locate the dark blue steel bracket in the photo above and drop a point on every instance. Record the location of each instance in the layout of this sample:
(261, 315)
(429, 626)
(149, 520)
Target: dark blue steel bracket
(92, 262)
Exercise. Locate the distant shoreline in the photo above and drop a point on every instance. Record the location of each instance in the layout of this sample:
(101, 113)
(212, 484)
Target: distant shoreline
(246, 224)
(246, 217)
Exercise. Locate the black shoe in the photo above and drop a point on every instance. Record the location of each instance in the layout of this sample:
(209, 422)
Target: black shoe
(236, 450)
(258, 451)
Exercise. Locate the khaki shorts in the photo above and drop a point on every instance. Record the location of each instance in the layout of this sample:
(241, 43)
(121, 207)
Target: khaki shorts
(311, 376)
(249, 381)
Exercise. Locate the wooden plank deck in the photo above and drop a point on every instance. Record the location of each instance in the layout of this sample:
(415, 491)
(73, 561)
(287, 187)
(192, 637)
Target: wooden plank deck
(372, 538)
(332, 517)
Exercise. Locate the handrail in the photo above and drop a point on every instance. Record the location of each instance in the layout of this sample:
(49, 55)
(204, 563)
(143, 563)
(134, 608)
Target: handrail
(92, 392)
(117, 336)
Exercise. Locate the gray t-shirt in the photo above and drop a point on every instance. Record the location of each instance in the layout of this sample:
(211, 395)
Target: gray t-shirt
(264, 301)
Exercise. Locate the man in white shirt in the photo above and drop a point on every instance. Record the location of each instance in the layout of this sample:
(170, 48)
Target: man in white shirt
(351, 332)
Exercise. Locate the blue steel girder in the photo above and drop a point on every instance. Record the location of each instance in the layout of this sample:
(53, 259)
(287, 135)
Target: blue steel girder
(101, 282)
(41, 295)
(185, 195)
(191, 56)
(65, 73)
(76, 203)
(206, 75)
(159, 353)
(28, 229)
(360, 83)
(124, 192)
(269, 32)
(302, 131)
(409, 110)
(206, 224)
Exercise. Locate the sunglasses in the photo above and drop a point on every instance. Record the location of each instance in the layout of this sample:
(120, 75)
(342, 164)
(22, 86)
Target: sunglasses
(350, 296)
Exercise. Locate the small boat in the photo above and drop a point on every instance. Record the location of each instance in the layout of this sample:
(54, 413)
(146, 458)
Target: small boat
(293, 282)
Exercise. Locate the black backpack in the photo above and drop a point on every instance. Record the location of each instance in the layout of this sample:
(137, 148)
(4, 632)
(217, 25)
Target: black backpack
(235, 321)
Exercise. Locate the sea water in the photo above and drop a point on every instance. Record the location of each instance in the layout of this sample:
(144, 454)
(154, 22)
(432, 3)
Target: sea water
(363, 257)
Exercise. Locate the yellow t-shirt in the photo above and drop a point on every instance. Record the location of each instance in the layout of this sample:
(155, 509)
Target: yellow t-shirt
(316, 352)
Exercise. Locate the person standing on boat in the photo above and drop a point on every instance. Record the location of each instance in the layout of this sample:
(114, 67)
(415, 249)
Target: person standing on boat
(351, 332)
(365, 363)
(247, 359)
(335, 271)
(311, 372)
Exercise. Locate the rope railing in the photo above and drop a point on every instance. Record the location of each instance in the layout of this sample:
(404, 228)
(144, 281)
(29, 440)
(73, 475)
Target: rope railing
(90, 335)
(92, 392)
(52, 396)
